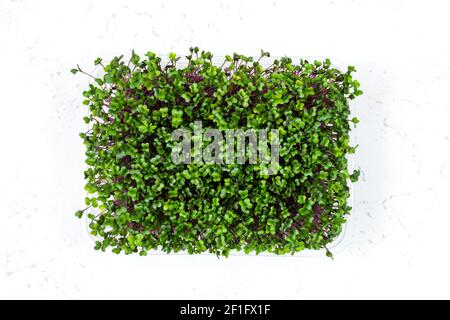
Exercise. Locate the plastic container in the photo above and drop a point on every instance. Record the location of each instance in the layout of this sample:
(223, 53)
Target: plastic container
(335, 246)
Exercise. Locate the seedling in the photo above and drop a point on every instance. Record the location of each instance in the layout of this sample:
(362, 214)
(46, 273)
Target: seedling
(140, 200)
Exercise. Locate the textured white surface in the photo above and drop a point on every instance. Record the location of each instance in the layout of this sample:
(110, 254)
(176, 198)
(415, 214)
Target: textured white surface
(397, 244)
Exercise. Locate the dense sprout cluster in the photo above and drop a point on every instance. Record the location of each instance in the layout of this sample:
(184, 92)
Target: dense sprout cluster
(140, 200)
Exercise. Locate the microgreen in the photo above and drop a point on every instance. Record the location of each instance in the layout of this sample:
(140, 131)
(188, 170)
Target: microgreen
(139, 200)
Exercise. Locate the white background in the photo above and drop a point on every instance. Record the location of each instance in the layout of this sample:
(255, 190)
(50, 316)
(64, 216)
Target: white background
(396, 245)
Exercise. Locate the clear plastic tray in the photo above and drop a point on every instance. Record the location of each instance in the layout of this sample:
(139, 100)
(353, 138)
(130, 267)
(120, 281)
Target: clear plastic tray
(337, 245)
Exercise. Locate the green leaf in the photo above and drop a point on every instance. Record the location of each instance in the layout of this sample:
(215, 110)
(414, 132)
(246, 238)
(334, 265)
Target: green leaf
(79, 214)
(355, 175)
(329, 254)
(143, 253)
(134, 58)
(98, 61)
